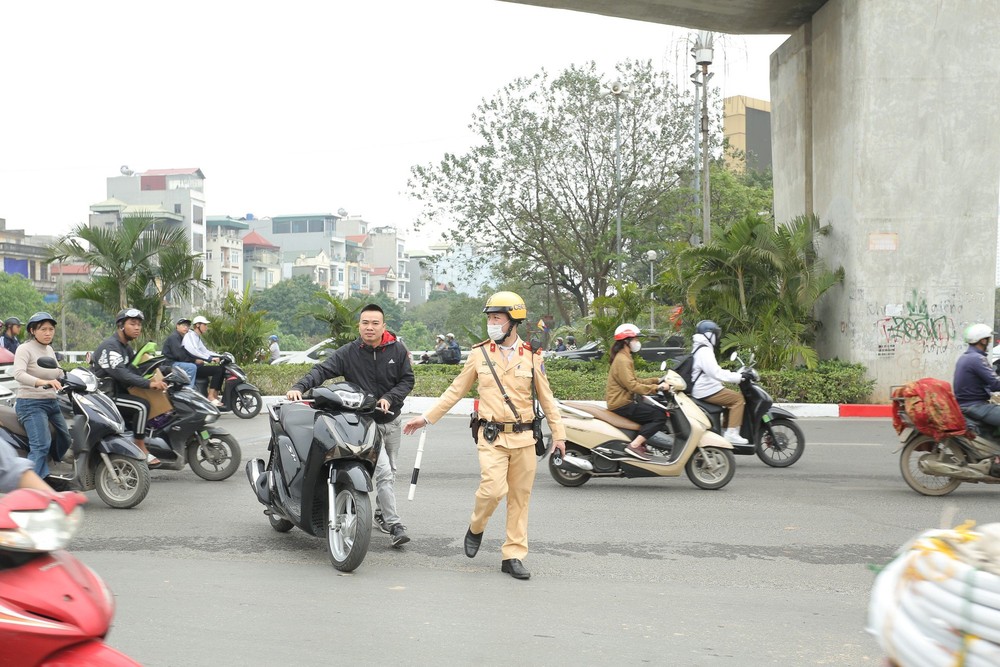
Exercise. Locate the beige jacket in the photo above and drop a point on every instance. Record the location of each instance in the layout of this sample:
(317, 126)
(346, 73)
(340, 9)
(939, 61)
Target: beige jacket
(515, 375)
(623, 385)
(27, 371)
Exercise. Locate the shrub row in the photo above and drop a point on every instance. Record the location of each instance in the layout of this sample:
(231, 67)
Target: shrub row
(831, 382)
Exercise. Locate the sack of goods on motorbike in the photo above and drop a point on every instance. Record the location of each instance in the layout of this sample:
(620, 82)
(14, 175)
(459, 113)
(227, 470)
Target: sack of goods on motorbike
(319, 469)
(941, 447)
(596, 439)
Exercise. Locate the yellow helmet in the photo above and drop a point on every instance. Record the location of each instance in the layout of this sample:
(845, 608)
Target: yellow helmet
(507, 302)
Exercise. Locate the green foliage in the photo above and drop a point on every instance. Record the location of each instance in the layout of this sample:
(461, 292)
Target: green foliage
(416, 336)
(450, 312)
(239, 329)
(19, 298)
(761, 284)
(85, 325)
(537, 193)
(625, 305)
(287, 303)
(340, 316)
(829, 382)
(141, 263)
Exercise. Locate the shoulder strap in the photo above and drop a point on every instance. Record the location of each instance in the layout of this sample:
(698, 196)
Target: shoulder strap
(695, 379)
(503, 391)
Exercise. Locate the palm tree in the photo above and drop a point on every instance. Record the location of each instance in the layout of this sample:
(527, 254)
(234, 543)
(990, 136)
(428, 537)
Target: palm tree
(340, 315)
(761, 284)
(140, 263)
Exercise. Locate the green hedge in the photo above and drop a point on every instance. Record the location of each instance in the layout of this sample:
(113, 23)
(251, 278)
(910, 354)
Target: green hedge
(831, 382)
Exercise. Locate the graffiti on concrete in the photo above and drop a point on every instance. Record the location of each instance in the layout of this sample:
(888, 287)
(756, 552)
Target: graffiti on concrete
(933, 328)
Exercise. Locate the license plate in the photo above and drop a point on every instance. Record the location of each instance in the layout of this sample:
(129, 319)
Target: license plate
(766, 418)
(204, 435)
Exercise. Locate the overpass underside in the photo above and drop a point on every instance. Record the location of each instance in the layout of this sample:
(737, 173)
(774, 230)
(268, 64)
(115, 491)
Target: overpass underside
(885, 122)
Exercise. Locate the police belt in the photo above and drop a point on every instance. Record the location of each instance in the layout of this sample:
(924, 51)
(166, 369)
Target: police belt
(507, 427)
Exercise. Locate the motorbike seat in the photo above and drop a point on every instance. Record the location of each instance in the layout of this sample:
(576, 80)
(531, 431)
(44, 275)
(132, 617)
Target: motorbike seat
(608, 416)
(709, 408)
(297, 421)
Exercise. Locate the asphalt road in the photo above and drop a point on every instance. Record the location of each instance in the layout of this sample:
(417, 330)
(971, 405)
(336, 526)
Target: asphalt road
(774, 569)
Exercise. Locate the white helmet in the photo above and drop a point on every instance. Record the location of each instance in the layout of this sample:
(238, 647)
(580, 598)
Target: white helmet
(977, 332)
(626, 331)
(199, 320)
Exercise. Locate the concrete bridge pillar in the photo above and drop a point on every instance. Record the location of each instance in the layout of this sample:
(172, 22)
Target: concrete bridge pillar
(886, 124)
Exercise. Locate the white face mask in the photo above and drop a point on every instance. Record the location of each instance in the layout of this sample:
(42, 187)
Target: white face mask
(634, 345)
(495, 332)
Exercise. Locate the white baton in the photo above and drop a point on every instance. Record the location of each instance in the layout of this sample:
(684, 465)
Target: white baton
(416, 465)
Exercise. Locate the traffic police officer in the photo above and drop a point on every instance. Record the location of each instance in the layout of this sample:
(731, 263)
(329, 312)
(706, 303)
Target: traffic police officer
(505, 443)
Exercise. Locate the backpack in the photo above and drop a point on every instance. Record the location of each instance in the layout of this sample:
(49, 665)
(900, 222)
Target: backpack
(685, 366)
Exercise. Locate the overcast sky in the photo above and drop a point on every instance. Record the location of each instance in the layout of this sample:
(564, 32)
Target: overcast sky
(291, 107)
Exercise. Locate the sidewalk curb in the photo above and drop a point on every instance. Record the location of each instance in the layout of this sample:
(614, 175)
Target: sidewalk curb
(416, 405)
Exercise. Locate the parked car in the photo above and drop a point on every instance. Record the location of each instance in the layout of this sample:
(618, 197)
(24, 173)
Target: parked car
(654, 350)
(313, 355)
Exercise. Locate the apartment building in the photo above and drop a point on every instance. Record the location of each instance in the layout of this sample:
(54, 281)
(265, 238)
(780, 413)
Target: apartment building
(25, 255)
(308, 234)
(224, 255)
(261, 262)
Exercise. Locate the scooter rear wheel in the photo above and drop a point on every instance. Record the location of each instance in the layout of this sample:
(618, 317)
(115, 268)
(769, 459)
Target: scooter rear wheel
(785, 448)
(710, 467)
(568, 477)
(349, 529)
(134, 486)
(909, 465)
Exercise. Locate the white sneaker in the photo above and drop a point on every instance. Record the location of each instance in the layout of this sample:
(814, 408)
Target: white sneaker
(733, 437)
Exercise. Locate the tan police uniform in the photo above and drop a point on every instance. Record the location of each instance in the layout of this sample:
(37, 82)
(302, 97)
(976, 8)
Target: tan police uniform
(507, 465)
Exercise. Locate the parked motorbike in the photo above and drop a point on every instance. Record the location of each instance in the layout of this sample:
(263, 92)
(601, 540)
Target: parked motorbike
(321, 458)
(596, 439)
(936, 468)
(772, 435)
(187, 434)
(54, 610)
(238, 394)
(104, 456)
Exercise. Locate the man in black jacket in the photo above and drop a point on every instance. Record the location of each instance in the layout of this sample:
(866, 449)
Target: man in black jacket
(175, 353)
(113, 359)
(380, 364)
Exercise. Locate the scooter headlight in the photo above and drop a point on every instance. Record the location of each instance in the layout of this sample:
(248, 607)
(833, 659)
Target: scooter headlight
(350, 399)
(41, 530)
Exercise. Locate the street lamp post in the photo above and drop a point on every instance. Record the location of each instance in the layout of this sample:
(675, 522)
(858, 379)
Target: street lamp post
(703, 54)
(651, 256)
(618, 91)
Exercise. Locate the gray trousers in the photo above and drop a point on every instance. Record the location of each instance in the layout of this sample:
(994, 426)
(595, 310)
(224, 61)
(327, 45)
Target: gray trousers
(385, 470)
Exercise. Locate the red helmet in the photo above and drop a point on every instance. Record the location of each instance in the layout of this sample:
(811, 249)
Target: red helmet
(626, 331)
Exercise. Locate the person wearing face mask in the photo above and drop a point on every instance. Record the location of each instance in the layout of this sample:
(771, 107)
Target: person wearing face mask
(708, 377)
(504, 438)
(623, 385)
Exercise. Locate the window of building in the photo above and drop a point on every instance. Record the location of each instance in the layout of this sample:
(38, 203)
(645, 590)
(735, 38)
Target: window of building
(234, 283)
(340, 275)
(177, 208)
(269, 278)
(234, 257)
(315, 225)
(281, 227)
(198, 242)
(331, 226)
(199, 216)
(208, 255)
(299, 226)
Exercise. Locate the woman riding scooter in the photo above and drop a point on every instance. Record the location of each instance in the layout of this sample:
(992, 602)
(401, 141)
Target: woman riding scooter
(623, 385)
(37, 404)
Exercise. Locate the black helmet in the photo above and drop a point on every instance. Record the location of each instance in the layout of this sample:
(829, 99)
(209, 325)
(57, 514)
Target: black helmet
(129, 314)
(706, 327)
(11, 321)
(38, 318)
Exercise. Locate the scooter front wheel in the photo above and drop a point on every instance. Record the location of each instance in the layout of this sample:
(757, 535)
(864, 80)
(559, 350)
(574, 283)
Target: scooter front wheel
(247, 403)
(214, 460)
(782, 444)
(570, 477)
(710, 467)
(349, 529)
(133, 484)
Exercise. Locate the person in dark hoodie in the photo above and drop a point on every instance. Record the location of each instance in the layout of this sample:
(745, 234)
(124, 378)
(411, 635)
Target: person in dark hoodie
(380, 364)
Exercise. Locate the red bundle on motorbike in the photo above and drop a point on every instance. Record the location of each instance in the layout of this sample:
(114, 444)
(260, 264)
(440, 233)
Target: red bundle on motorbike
(930, 405)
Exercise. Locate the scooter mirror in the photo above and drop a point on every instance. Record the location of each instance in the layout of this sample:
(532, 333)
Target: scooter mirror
(663, 365)
(733, 356)
(47, 362)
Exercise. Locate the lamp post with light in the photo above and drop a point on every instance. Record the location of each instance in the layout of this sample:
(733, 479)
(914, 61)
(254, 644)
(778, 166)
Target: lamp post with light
(651, 256)
(618, 91)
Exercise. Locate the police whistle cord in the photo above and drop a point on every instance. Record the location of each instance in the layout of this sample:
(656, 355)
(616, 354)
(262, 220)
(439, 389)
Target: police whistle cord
(416, 464)
(938, 601)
